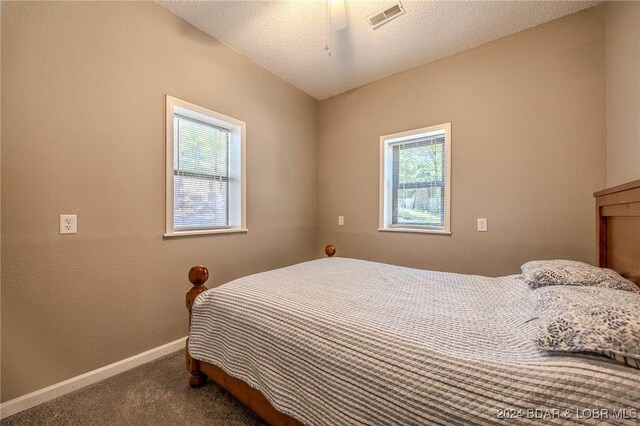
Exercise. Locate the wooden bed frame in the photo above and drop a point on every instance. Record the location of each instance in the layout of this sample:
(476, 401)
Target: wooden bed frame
(200, 370)
(618, 248)
(618, 229)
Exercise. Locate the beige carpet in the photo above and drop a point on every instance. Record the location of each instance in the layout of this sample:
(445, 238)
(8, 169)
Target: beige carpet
(156, 393)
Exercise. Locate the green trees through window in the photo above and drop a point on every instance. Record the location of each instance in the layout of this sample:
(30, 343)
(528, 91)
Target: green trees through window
(418, 182)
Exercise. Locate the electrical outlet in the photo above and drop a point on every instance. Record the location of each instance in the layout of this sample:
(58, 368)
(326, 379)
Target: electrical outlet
(340, 220)
(68, 224)
(482, 224)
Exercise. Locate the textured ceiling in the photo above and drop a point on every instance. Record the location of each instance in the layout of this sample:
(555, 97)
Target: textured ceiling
(288, 37)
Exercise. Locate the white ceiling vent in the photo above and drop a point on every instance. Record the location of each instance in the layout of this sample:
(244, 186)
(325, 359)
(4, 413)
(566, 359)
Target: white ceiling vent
(383, 16)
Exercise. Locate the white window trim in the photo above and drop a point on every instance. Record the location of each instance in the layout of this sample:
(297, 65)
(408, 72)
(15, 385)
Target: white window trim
(386, 181)
(238, 132)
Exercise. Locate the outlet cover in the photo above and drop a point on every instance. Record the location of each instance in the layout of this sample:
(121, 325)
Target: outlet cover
(482, 224)
(68, 224)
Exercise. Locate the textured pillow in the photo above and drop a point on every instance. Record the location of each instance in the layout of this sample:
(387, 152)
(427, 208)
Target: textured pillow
(589, 319)
(541, 273)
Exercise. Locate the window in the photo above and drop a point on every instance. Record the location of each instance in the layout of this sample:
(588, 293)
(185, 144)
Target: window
(205, 171)
(415, 171)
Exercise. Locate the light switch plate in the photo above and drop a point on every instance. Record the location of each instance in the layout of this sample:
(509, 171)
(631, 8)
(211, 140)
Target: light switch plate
(340, 220)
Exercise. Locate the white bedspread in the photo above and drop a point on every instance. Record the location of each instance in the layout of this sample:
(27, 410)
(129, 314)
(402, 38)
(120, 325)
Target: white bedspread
(341, 341)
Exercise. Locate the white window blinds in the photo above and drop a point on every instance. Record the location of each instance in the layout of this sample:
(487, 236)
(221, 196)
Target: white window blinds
(418, 182)
(201, 175)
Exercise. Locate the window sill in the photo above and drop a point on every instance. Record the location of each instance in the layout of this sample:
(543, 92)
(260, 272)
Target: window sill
(416, 230)
(207, 232)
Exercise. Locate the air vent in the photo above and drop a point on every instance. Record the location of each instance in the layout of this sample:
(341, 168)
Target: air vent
(382, 17)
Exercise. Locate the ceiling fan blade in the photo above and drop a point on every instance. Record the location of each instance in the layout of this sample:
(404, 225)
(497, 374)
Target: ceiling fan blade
(338, 15)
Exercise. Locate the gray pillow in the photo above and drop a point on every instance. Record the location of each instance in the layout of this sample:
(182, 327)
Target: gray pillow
(589, 319)
(541, 273)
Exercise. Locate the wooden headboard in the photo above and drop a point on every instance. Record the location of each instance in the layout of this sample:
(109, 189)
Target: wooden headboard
(618, 229)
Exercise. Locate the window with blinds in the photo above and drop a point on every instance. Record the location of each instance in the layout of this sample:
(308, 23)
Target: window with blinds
(205, 185)
(415, 170)
(200, 175)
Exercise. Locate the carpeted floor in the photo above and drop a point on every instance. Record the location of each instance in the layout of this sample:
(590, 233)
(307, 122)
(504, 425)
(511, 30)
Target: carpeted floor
(156, 393)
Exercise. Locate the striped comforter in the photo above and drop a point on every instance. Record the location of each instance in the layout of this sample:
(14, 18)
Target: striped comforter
(341, 341)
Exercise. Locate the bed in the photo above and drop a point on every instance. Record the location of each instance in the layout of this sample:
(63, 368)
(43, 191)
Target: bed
(313, 344)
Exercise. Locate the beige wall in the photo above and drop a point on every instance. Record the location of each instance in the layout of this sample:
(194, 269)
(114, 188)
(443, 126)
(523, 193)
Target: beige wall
(528, 129)
(623, 91)
(83, 88)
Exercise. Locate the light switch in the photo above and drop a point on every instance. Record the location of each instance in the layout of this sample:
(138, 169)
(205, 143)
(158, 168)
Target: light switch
(340, 220)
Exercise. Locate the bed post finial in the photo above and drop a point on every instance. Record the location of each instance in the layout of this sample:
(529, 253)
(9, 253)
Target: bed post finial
(198, 275)
(330, 250)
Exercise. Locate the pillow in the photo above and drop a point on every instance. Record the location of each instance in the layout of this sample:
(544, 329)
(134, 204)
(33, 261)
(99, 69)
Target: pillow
(540, 273)
(590, 319)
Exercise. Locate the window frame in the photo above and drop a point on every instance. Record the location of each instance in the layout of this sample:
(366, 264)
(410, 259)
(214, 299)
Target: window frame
(386, 180)
(237, 171)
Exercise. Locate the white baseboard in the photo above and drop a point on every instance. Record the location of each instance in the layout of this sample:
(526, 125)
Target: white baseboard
(43, 395)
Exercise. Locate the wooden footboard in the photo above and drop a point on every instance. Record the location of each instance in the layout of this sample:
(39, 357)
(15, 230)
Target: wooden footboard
(198, 275)
(199, 370)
